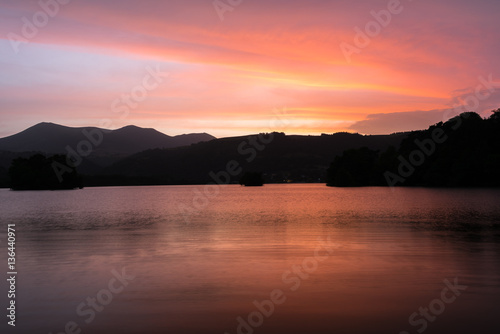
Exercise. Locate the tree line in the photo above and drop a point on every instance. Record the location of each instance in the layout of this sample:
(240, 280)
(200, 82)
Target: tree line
(462, 152)
(37, 173)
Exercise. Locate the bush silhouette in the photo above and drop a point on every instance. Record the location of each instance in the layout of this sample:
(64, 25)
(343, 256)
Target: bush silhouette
(468, 157)
(37, 173)
(252, 179)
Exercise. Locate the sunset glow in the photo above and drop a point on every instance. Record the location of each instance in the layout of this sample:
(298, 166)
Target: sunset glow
(71, 63)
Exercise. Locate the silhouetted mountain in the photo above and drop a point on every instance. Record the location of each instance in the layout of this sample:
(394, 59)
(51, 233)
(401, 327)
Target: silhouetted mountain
(462, 152)
(282, 159)
(106, 146)
(53, 138)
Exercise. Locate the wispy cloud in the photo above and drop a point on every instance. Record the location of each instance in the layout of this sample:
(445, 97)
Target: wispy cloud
(264, 54)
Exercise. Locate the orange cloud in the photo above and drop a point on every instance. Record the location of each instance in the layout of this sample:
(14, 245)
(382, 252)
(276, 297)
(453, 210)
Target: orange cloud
(264, 55)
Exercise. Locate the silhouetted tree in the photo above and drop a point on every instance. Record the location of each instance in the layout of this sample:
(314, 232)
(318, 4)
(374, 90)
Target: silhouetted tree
(252, 179)
(355, 168)
(495, 116)
(466, 154)
(37, 173)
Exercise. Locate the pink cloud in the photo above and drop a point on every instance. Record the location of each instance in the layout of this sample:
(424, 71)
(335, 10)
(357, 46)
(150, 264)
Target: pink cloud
(264, 54)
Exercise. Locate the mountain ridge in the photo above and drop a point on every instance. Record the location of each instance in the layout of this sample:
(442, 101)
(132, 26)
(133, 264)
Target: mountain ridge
(284, 158)
(301, 158)
(51, 138)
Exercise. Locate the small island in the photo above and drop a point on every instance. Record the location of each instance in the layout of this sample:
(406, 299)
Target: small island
(252, 179)
(40, 173)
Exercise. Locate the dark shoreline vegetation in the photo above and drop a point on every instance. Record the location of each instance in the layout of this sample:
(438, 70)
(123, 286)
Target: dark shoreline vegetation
(37, 173)
(462, 152)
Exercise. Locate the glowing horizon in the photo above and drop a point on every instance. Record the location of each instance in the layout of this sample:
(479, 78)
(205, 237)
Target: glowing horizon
(229, 77)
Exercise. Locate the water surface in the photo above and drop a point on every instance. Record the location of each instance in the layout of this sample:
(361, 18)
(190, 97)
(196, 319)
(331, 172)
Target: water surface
(199, 263)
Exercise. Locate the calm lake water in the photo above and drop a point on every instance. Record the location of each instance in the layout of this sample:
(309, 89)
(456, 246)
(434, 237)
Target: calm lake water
(275, 259)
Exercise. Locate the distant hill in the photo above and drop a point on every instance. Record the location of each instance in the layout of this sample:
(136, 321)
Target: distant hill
(53, 138)
(50, 139)
(284, 159)
(469, 156)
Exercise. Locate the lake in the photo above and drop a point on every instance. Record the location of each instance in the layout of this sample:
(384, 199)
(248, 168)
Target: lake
(292, 258)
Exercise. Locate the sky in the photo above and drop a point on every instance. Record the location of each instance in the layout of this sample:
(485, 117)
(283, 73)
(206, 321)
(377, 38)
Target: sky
(236, 67)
